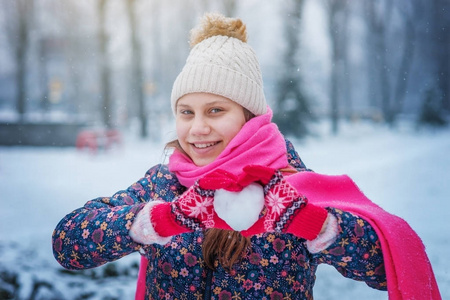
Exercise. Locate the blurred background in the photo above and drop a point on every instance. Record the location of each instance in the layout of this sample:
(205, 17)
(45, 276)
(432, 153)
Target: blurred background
(110, 64)
(360, 87)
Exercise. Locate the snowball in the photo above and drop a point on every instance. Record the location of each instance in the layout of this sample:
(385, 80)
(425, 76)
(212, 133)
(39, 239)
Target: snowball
(240, 209)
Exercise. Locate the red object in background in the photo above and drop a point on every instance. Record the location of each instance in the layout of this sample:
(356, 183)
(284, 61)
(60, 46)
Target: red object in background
(93, 139)
(113, 137)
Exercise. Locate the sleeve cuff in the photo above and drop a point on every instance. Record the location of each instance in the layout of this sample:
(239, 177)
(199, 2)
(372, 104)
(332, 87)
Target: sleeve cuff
(142, 230)
(308, 222)
(326, 238)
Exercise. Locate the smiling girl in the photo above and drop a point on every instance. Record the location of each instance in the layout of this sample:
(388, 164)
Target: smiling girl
(205, 124)
(235, 214)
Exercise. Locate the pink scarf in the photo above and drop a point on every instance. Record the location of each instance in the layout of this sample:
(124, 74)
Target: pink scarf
(268, 148)
(408, 270)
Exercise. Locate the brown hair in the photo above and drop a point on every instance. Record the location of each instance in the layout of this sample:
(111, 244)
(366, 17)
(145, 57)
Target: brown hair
(225, 247)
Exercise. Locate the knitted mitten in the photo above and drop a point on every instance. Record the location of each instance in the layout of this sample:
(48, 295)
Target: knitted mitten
(238, 203)
(286, 210)
(159, 220)
(193, 210)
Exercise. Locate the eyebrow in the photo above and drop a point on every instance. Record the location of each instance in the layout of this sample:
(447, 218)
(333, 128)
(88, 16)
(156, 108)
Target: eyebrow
(182, 105)
(216, 102)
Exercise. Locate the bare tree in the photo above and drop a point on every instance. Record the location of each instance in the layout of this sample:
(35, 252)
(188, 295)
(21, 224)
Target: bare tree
(20, 18)
(379, 15)
(105, 80)
(338, 14)
(43, 75)
(346, 76)
(410, 12)
(293, 110)
(390, 72)
(137, 80)
(73, 50)
(441, 40)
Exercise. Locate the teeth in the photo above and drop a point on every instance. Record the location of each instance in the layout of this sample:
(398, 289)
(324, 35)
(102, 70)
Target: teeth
(204, 145)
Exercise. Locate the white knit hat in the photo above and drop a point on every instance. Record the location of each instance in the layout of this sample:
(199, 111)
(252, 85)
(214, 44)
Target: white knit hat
(222, 63)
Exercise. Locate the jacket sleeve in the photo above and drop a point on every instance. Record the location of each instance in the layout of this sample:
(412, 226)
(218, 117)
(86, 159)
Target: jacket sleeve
(294, 159)
(356, 252)
(98, 232)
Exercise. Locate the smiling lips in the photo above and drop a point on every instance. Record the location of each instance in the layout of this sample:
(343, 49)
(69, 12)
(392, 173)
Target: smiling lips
(206, 145)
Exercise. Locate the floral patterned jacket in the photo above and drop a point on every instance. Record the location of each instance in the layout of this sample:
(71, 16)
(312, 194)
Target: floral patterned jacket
(278, 266)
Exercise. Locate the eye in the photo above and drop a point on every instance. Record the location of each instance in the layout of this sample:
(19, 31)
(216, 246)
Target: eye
(216, 110)
(185, 112)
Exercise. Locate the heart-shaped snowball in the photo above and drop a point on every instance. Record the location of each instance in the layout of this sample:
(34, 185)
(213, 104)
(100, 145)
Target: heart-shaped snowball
(240, 209)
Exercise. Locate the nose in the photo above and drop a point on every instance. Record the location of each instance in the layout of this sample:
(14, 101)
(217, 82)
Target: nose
(200, 126)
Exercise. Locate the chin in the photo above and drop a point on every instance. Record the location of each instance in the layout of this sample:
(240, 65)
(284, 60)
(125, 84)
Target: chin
(202, 162)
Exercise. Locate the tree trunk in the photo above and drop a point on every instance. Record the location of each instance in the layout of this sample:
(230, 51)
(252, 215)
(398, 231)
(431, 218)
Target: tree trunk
(24, 17)
(379, 72)
(73, 49)
(21, 74)
(410, 18)
(293, 111)
(337, 26)
(43, 77)
(384, 72)
(442, 41)
(136, 65)
(346, 76)
(373, 91)
(106, 108)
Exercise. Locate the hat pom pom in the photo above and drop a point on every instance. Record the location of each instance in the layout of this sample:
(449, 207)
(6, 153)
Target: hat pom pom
(216, 24)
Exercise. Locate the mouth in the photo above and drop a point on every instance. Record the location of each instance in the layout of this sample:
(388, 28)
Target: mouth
(204, 145)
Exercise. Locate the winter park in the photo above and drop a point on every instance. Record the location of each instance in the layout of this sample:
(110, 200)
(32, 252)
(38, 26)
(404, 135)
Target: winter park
(359, 88)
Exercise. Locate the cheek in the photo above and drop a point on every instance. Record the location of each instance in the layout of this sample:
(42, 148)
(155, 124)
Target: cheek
(232, 129)
(181, 130)
(232, 132)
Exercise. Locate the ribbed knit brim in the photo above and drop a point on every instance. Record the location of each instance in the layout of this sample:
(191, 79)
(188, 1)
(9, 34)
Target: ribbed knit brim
(223, 66)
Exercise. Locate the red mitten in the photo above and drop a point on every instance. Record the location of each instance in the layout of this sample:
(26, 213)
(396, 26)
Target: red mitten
(238, 204)
(286, 210)
(193, 210)
(254, 173)
(220, 179)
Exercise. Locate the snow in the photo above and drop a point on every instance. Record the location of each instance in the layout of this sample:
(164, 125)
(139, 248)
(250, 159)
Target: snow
(241, 209)
(404, 170)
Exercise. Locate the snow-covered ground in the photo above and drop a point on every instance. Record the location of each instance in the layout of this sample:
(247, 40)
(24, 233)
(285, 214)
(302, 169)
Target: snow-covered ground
(403, 170)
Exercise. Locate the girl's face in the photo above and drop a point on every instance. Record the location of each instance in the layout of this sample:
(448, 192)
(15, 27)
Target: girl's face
(205, 124)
